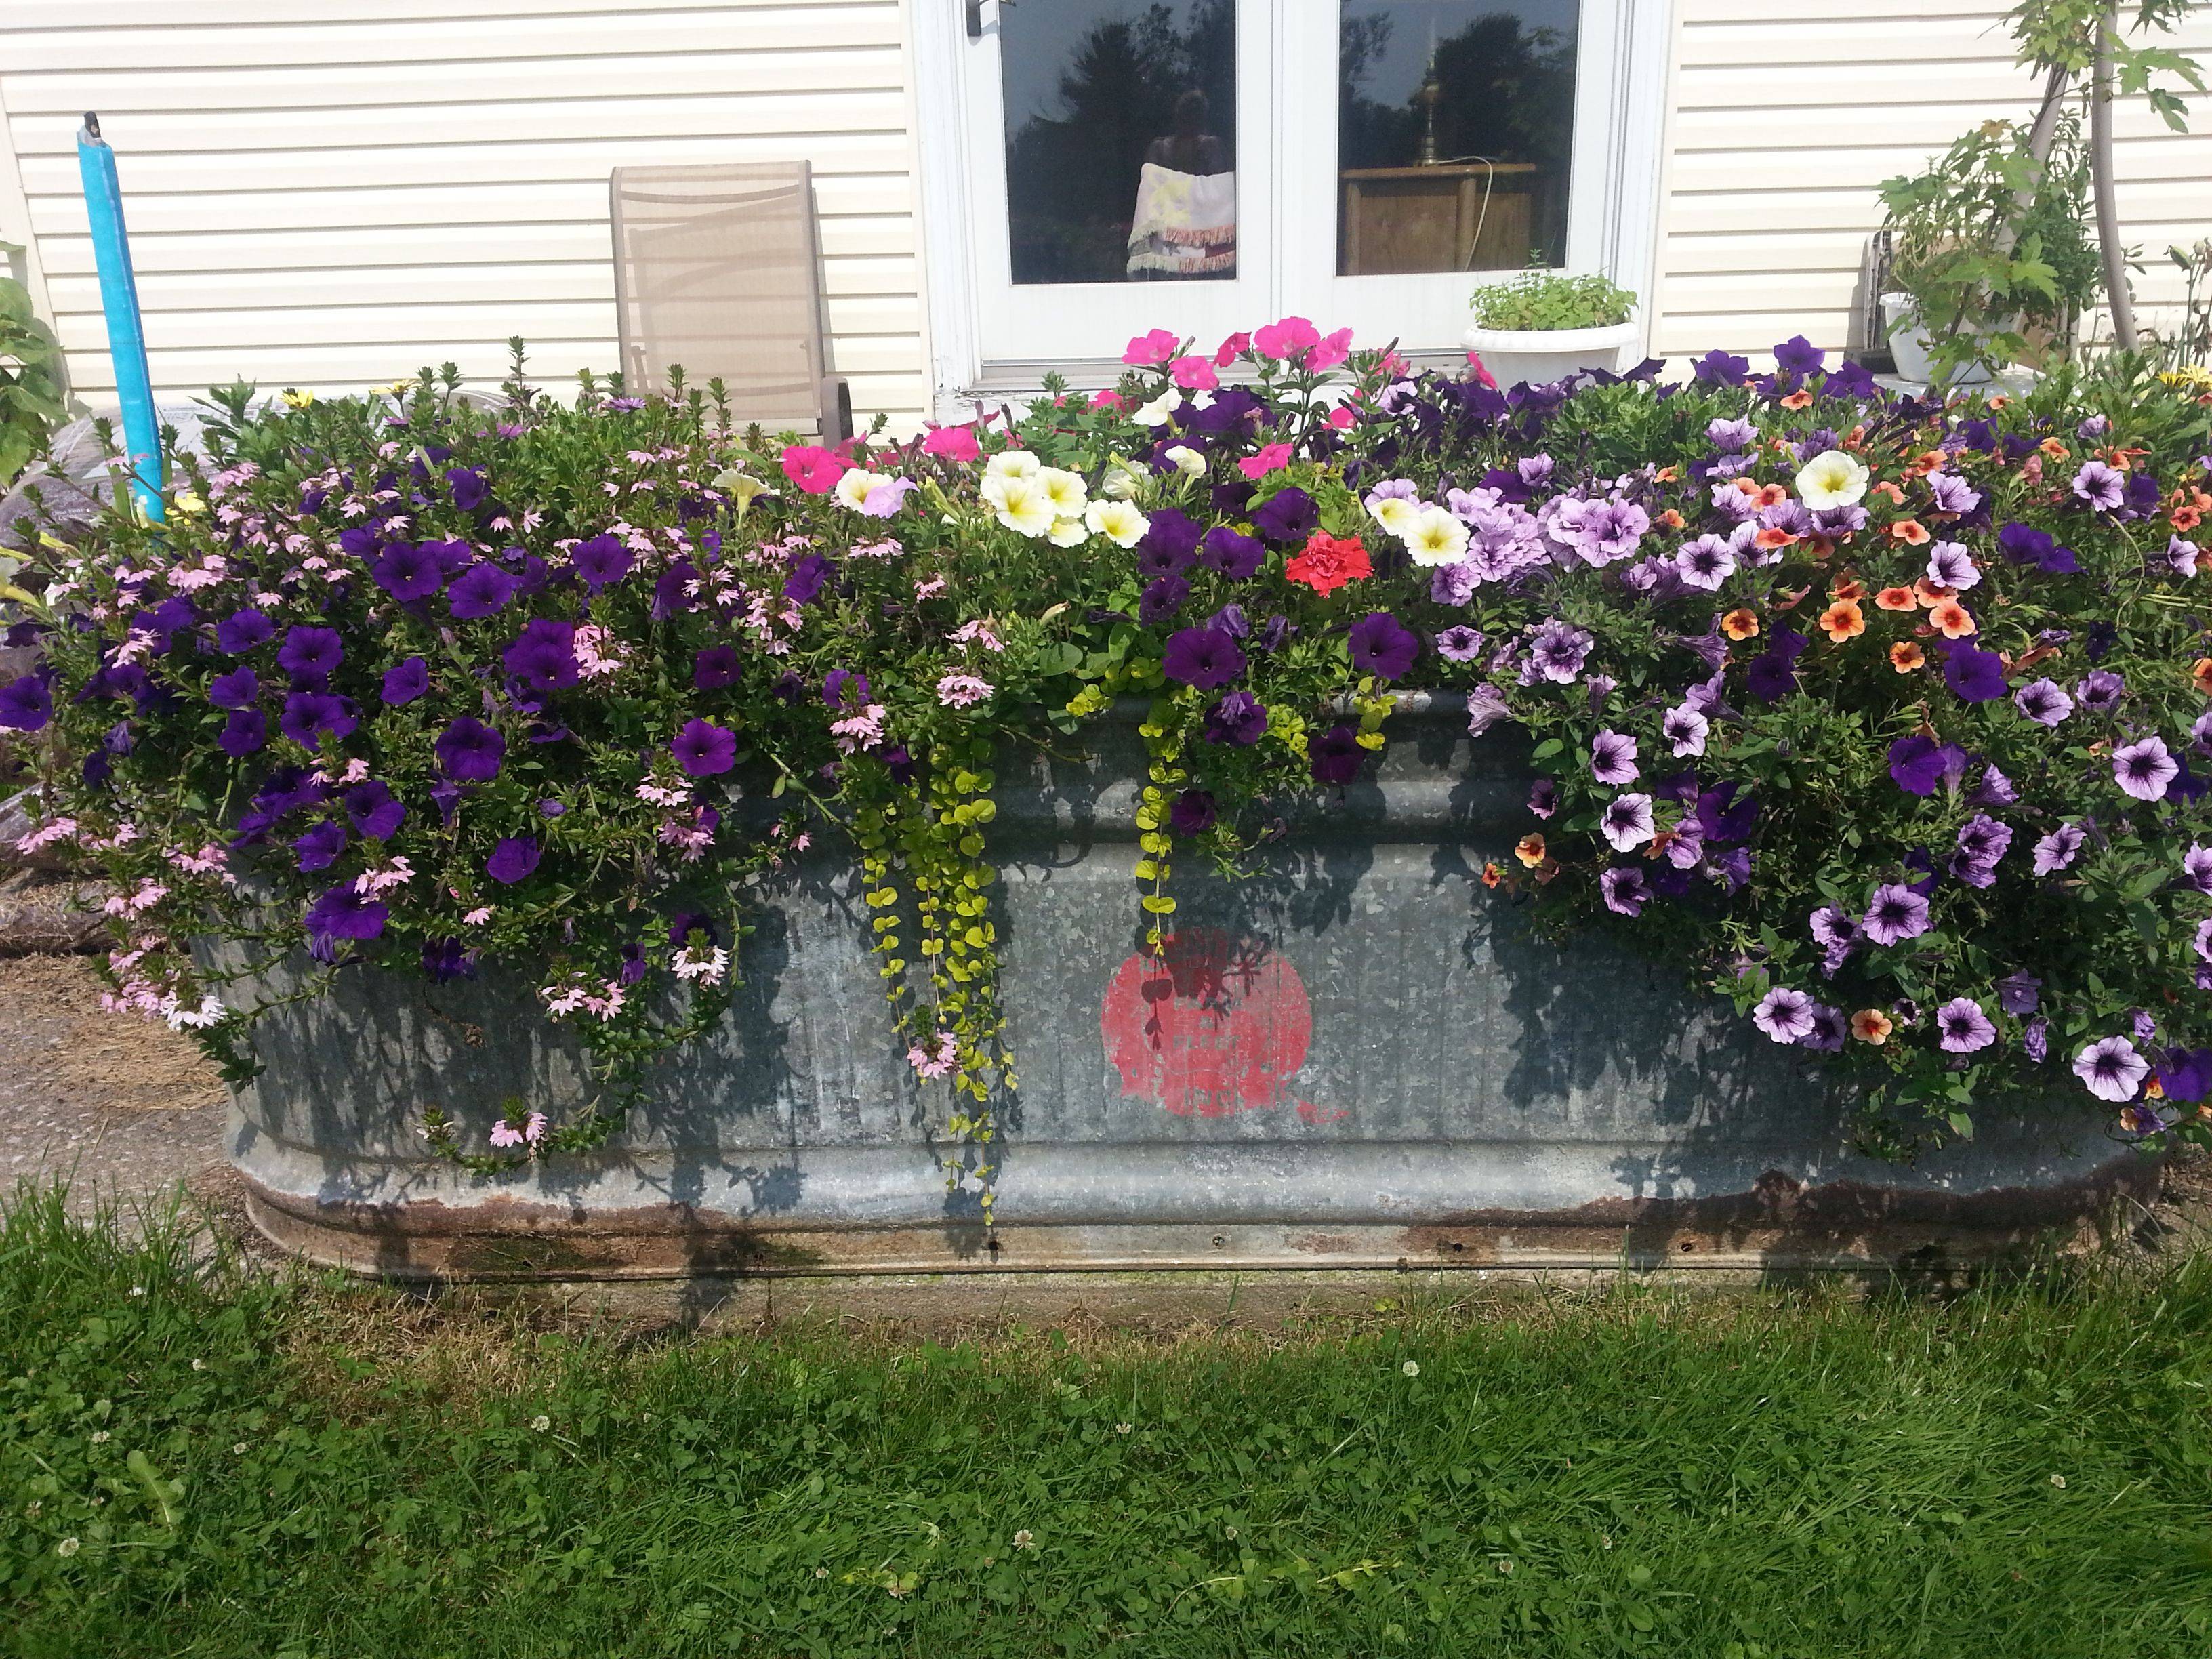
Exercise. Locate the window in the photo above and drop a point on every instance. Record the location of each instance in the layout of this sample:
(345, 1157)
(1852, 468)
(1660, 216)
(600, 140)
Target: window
(1095, 168)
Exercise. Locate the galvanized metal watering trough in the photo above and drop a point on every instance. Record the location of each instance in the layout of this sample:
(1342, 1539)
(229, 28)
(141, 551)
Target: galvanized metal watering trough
(1353, 1059)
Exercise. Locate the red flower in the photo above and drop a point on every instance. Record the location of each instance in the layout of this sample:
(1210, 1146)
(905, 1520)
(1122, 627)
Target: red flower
(1328, 563)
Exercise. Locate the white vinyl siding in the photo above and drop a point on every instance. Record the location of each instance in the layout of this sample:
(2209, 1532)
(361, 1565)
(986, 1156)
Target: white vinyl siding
(331, 195)
(1783, 123)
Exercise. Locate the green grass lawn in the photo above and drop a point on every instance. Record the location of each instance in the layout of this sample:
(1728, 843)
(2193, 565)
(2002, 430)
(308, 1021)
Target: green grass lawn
(202, 1460)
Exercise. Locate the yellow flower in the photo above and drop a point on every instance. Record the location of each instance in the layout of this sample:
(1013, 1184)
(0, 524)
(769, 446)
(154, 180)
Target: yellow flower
(1831, 478)
(189, 503)
(741, 487)
(296, 398)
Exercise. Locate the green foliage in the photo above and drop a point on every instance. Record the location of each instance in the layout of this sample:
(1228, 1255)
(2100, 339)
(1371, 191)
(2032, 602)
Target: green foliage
(200, 1461)
(30, 381)
(1545, 300)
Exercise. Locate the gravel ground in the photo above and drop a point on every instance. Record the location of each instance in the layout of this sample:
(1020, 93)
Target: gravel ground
(123, 1108)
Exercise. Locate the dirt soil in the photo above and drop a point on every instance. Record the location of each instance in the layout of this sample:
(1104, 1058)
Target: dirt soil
(122, 1107)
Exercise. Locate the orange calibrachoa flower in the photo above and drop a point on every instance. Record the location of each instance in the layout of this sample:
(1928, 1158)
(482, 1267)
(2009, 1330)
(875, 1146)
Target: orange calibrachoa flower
(2052, 447)
(1896, 598)
(1911, 531)
(1547, 870)
(1952, 617)
(1800, 399)
(1670, 519)
(1667, 474)
(1924, 463)
(1771, 537)
(1529, 850)
(1492, 875)
(1844, 621)
(1931, 594)
(1328, 563)
(1904, 657)
(1889, 488)
(1872, 1025)
(1849, 587)
(2186, 518)
(2201, 676)
(1741, 625)
(1773, 494)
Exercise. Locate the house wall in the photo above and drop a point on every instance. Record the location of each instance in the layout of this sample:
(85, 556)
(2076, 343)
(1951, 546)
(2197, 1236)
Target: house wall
(1784, 119)
(337, 198)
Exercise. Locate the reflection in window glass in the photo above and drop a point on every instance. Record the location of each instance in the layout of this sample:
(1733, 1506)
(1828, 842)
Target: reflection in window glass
(1457, 122)
(1121, 138)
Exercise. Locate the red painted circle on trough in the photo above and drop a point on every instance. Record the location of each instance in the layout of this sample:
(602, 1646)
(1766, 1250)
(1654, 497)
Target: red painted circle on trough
(1213, 1026)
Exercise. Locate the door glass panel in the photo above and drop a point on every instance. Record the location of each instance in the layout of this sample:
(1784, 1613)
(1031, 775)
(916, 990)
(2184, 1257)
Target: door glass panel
(1121, 128)
(1455, 129)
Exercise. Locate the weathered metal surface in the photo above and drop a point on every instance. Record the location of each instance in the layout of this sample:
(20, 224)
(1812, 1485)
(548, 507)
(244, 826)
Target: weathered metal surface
(1353, 1058)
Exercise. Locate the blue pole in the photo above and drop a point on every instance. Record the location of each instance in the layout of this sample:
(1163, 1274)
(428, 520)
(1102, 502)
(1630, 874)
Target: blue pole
(118, 298)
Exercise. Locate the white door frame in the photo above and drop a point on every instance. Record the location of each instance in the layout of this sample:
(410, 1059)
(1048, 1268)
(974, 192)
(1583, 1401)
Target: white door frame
(1623, 68)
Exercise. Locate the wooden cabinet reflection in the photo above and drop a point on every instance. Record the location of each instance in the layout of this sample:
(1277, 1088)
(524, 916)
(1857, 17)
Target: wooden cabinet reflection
(1435, 218)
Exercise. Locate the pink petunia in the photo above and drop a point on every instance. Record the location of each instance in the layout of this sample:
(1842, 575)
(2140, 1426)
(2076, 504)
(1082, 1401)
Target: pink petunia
(955, 443)
(1256, 467)
(1146, 350)
(1330, 352)
(1285, 340)
(813, 468)
(1194, 375)
(1232, 348)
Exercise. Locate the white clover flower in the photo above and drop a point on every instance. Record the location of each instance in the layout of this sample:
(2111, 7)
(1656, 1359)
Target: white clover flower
(1118, 521)
(1012, 463)
(1831, 478)
(1067, 493)
(1435, 537)
(1023, 508)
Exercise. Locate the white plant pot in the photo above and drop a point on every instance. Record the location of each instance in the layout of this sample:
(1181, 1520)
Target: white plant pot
(1541, 355)
(1910, 346)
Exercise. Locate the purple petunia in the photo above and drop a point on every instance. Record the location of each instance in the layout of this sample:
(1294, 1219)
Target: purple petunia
(240, 689)
(27, 702)
(1626, 891)
(1783, 1014)
(1684, 729)
(1287, 516)
(1613, 757)
(1459, 643)
(406, 681)
(544, 655)
(1963, 1027)
(467, 487)
(704, 750)
(1982, 844)
(1894, 914)
(407, 572)
(1192, 813)
(2196, 869)
(2045, 702)
(1558, 651)
(310, 716)
(1951, 566)
(810, 574)
(481, 591)
(343, 913)
(1170, 543)
(602, 561)
(1626, 822)
(512, 860)
(2057, 849)
(2019, 992)
(374, 810)
(1234, 554)
(2111, 1068)
(1706, 563)
(2100, 486)
(1238, 717)
(242, 631)
(1206, 658)
(310, 651)
(1918, 764)
(1382, 646)
(1974, 675)
(2144, 768)
(243, 732)
(715, 667)
(1334, 755)
(320, 847)
(1544, 797)
(468, 751)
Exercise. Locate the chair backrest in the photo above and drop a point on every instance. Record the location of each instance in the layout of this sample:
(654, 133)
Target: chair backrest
(716, 270)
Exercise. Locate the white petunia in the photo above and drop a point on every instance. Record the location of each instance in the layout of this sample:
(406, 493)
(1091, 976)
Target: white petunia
(853, 489)
(1067, 493)
(1396, 514)
(1012, 463)
(1118, 521)
(1831, 478)
(1159, 411)
(1023, 508)
(1068, 532)
(1186, 460)
(1435, 537)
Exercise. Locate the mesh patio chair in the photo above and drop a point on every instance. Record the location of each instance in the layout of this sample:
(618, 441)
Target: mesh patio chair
(717, 270)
